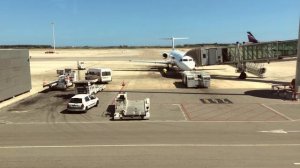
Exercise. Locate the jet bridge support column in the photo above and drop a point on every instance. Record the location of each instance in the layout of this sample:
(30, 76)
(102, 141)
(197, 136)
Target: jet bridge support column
(297, 82)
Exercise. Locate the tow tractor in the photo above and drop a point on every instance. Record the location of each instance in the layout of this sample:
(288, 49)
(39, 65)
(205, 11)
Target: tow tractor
(131, 109)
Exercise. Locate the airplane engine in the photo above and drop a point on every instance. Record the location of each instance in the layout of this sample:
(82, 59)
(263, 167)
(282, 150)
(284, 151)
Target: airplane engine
(165, 55)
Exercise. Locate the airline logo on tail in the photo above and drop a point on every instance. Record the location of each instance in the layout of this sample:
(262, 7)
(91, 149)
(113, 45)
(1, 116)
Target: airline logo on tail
(251, 38)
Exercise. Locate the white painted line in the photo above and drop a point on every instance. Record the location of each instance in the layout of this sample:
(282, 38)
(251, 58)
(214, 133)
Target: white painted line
(135, 122)
(185, 117)
(281, 131)
(5, 122)
(275, 111)
(18, 112)
(297, 164)
(153, 145)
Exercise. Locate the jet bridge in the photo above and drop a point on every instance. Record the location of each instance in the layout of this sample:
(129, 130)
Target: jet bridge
(247, 57)
(261, 52)
(250, 57)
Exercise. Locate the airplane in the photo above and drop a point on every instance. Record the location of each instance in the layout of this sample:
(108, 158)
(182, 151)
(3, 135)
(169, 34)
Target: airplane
(175, 58)
(251, 38)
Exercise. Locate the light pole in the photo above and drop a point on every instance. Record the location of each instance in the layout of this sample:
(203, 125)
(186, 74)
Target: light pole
(53, 36)
(297, 82)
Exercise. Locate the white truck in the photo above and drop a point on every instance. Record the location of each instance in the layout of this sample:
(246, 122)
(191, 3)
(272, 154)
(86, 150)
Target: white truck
(82, 102)
(88, 87)
(196, 79)
(131, 109)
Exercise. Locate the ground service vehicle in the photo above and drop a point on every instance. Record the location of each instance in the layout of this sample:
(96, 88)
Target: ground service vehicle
(66, 79)
(80, 65)
(196, 79)
(62, 83)
(88, 87)
(82, 102)
(102, 74)
(130, 109)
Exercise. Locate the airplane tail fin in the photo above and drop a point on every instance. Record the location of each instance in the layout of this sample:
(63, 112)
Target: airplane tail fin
(251, 38)
(173, 40)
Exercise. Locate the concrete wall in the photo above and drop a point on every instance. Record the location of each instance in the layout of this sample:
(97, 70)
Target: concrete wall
(15, 77)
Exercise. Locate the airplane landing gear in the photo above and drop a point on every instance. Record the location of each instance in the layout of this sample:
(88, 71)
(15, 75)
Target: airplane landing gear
(168, 67)
(165, 71)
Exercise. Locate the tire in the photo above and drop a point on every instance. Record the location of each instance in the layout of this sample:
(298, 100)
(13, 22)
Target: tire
(97, 104)
(86, 109)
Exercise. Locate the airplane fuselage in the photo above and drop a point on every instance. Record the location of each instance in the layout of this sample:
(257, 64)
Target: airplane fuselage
(183, 62)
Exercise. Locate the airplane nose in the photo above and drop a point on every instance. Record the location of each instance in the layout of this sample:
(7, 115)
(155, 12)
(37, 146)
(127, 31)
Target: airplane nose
(192, 66)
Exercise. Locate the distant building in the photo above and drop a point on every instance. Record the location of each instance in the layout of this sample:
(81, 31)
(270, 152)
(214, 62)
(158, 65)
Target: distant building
(15, 78)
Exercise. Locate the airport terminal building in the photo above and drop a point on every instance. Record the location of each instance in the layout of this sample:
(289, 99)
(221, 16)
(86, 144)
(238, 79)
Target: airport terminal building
(15, 78)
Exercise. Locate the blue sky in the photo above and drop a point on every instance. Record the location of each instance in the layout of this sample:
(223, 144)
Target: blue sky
(138, 22)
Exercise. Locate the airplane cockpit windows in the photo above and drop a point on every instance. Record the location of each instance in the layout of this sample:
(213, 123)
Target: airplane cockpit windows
(185, 60)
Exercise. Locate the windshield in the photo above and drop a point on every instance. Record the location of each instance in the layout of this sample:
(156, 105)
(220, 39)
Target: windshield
(106, 74)
(75, 100)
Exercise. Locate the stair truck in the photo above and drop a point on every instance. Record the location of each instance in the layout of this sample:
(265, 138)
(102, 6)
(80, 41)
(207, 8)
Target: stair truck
(131, 109)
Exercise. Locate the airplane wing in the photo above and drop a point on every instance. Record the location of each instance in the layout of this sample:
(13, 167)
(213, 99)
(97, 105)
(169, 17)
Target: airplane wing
(155, 62)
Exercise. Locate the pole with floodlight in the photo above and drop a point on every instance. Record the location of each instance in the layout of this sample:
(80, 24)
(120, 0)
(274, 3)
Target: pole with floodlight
(53, 36)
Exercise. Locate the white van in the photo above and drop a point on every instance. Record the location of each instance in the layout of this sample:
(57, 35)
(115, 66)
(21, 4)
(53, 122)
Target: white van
(102, 74)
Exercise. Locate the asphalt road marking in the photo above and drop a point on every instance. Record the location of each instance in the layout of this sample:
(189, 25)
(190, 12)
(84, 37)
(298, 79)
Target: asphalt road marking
(182, 111)
(216, 101)
(298, 164)
(5, 122)
(18, 112)
(134, 122)
(275, 111)
(152, 145)
(280, 131)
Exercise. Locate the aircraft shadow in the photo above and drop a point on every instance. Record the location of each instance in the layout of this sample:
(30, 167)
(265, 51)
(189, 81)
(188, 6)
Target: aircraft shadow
(249, 79)
(268, 94)
(133, 70)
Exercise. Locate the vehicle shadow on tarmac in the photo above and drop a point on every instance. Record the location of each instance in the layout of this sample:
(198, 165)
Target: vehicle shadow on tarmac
(110, 110)
(173, 74)
(65, 96)
(180, 85)
(65, 111)
(45, 90)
